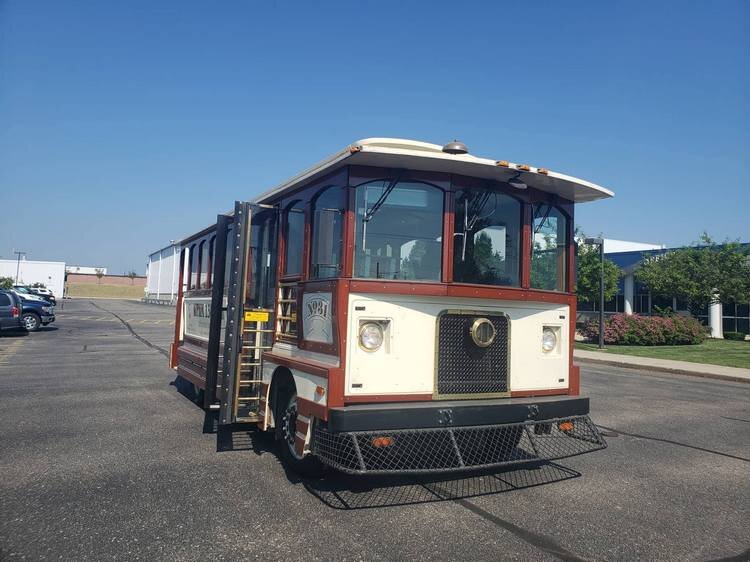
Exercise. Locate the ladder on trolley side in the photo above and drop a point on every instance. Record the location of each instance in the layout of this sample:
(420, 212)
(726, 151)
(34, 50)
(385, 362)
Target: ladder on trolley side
(245, 334)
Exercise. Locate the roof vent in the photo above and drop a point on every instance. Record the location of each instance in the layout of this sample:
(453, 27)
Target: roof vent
(455, 147)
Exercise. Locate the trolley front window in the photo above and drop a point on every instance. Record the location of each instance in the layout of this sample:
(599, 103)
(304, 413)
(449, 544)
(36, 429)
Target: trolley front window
(487, 237)
(549, 239)
(399, 228)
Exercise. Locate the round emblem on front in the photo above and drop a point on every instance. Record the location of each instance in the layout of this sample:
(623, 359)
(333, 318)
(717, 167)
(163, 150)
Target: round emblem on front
(483, 332)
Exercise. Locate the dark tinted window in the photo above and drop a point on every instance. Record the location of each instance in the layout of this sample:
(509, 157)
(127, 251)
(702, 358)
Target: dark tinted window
(295, 239)
(4, 300)
(487, 238)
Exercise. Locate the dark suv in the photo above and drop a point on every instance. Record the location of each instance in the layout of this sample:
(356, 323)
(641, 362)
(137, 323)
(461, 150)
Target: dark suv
(10, 311)
(35, 314)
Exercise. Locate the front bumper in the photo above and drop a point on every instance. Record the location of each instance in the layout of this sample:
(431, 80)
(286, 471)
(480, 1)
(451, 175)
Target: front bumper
(426, 437)
(48, 319)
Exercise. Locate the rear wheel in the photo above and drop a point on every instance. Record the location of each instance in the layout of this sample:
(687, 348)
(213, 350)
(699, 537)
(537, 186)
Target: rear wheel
(286, 421)
(31, 321)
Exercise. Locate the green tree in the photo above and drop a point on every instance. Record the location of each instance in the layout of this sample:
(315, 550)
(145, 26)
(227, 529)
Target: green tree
(6, 282)
(701, 274)
(589, 273)
(99, 275)
(131, 275)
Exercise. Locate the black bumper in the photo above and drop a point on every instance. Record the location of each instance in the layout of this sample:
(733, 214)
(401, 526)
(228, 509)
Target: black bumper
(421, 415)
(428, 437)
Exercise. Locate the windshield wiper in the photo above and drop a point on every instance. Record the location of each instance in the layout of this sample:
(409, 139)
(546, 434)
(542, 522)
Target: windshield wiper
(383, 196)
(544, 219)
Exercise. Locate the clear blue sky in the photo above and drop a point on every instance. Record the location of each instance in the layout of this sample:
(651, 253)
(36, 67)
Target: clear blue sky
(126, 124)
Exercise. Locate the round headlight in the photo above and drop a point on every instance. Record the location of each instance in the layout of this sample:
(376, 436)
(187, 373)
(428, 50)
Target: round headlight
(370, 336)
(549, 340)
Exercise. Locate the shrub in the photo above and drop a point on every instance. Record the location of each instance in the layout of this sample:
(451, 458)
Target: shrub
(647, 330)
(737, 336)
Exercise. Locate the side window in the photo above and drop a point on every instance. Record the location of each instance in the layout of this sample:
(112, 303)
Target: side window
(294, 235)
(549, 248)
(193, 283)
(203, 271)
(327, 233)
(211, 261)
(4, 300)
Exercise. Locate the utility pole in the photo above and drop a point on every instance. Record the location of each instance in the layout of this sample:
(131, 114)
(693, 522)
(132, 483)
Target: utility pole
(18, 263)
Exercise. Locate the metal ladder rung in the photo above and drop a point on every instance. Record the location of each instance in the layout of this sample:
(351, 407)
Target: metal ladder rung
(248, 398)
(249, 383)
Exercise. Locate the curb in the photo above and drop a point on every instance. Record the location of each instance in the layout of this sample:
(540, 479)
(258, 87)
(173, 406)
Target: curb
(670, 370)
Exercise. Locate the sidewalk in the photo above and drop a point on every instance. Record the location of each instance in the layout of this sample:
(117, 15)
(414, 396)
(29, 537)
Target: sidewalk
(663, 365)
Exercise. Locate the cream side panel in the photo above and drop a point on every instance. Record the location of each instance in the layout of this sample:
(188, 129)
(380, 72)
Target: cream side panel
(406, 361)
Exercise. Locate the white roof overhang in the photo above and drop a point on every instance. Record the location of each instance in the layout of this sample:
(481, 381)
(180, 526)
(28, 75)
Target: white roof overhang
(416, 155)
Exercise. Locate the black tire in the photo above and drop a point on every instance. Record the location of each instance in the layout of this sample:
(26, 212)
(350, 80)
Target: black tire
(285, 416)
(31, 321)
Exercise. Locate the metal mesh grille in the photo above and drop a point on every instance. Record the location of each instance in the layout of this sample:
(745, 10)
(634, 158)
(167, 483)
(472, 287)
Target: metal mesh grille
(464, 367)
(456, 448)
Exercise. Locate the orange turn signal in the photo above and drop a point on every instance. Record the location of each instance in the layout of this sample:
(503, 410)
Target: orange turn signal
(379, 442)
(565, 426)
(320, 391)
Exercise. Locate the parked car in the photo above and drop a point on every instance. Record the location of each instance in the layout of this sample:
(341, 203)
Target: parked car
(26, 294)
(35, 314)
(10, 311)
(44, 293)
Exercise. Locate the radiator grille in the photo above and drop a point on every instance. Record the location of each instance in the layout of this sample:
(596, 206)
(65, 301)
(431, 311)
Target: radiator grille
(465, 368)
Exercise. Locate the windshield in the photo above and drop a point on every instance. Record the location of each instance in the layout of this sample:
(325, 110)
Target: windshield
(399, 235)
(487, 238)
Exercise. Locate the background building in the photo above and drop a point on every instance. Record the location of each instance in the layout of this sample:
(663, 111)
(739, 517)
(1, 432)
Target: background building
(50, 273)
(163, 275)
(634, 298)
(84, 269)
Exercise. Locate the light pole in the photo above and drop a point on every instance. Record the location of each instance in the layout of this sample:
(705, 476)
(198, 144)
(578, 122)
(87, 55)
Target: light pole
(600, 242)
(18, 263)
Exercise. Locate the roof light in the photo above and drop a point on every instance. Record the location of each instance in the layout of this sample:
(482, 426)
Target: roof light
(544, 171)
(524, 167)
(504, 163)
(455, 147)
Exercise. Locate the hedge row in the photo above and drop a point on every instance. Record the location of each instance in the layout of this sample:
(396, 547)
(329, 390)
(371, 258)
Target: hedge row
(623, 329)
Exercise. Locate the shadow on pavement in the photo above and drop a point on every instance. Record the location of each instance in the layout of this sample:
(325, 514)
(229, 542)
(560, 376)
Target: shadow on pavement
(341, 491)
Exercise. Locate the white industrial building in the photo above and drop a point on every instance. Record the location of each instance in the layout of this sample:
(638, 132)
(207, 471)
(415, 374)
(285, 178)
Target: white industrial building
(163, 275)
(28, 272)
(85, 269)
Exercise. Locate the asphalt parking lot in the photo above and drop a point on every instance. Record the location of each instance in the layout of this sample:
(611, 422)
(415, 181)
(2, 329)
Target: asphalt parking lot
(104, 456)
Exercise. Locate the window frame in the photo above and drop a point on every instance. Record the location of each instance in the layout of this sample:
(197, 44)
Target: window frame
(311, 251)
(501, 189)
(568, 268)
(412, 177)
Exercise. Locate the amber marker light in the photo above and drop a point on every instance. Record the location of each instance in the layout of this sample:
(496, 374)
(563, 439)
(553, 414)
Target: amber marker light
(380, 442)
(504, 163)
(544, 171)
(565, 426)
(524, 167)
(320, 391)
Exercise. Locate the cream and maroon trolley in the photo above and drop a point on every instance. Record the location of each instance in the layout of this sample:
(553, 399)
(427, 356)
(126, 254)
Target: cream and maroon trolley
(400, 307)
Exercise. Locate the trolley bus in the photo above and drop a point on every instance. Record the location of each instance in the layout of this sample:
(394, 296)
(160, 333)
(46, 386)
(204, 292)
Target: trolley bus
(400, 307)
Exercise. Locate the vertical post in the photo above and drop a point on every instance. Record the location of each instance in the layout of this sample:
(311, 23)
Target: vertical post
(629, 290)
(18, 263)
(601, 295)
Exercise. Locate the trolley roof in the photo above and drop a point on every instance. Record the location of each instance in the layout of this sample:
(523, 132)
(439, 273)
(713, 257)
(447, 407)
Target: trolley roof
(416, 155)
